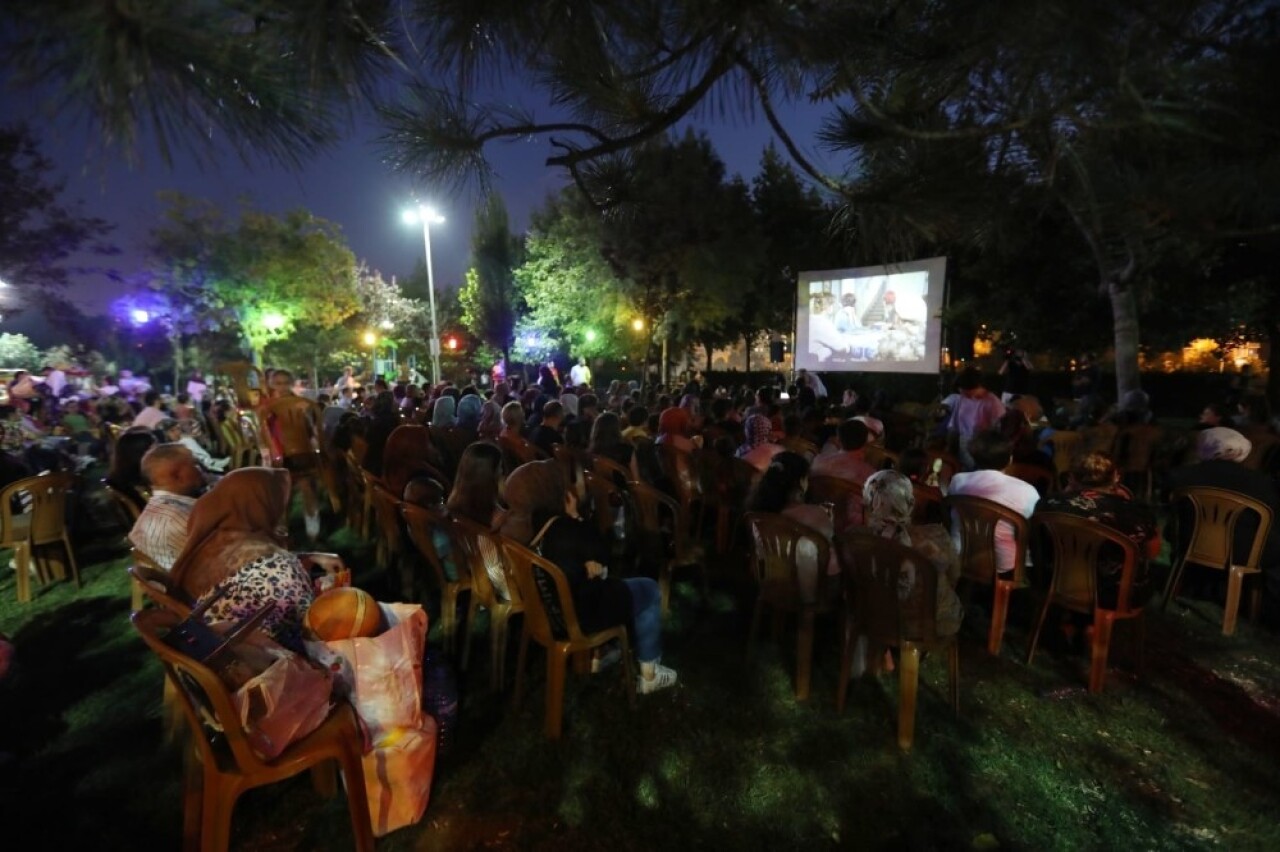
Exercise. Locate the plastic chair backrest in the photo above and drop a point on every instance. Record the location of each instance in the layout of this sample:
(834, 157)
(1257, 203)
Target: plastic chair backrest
(659, 519)
(481, 549)
(1076, 545)
(419, 522)
(386, 511)
(775, 544)
(845, 494)
(1215, 513)
(1040, 478)
(48, 505)
(1066, 450)
(130, 509)
(950, 465)
(606, 499)
(680, 466)
(549, 613)
(978, 517)
(610, 469)
(1099, 438)
(928, 508)
(873, 569)
(201, 692)
(1135, 447)
(14, 526)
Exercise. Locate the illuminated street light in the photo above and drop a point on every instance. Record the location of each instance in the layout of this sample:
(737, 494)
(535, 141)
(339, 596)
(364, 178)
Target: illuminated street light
(139, 316)
(386, 324)
(370, 339)
(591, 335)
(637, 324)
(273, 322)
(429, 217)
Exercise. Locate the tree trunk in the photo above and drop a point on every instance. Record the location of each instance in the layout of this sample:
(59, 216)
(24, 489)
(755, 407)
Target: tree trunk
(1124, 316)
(746, 345)
(708, 358)
(175, 340)
(1273, 366)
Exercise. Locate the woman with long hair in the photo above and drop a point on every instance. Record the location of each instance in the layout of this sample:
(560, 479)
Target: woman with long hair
(478, 485)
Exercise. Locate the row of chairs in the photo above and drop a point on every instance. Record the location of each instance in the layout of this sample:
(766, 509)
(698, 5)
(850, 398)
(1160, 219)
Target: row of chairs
(1074, 547)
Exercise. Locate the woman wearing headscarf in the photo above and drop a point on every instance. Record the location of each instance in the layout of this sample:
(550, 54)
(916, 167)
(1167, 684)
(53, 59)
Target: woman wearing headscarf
(543, 512)
(236, 539)
(888, 501)
(469, 411)
(781, 491)
(756, 447)
(442, 413)
(570, 402)
(490, 425)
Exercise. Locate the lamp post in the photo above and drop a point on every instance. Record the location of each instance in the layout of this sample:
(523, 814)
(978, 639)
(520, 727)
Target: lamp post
(428, 217)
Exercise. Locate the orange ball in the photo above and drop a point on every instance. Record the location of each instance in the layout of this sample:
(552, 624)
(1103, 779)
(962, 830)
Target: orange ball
(344, 613)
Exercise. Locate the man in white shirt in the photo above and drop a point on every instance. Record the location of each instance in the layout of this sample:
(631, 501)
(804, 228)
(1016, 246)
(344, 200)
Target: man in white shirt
(991, 453)
(196, 388)
(580, 373)
(161, 530)
(55, 380)
(150, 416)
(173, 433)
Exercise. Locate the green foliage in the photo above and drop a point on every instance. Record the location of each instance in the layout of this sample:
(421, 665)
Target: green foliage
(266, 275)
(489, 299)
(17, 351)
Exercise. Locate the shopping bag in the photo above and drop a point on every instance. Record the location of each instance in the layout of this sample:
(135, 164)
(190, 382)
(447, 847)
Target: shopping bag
(283, 703)
(381, 675)
(397, 776)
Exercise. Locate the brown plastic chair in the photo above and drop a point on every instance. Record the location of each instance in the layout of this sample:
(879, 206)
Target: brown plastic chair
(978, 518)
(928, 508)
(611, 470)
(389, 552)
(1042, 479)
(517, 451)
(1067, 447)
(844, 494)
(872, 566)
(877, 456)
(681, 469)
(359, 485)
(1215, 513)
(556, 630)
(1099, 438)
(152, 571)
(481, 550)
(129, 509)
(158, 586)
(606, 499)
(15, 529)
(420, 522)
(1077, 543)
(222, 764)
(664, 535)
(45, 526)
(1135, 452)
(950, 465)
(775, 542)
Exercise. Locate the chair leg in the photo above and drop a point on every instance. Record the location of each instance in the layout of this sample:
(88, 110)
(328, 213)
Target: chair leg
(999, 613)
(215, 827)
(1175, 579)
(664, 586)
(518, 694)
(449, 617)
(556, 664)
(1255, 601)
(192, 799)
(628, 673)
(908, 681)
(1231, 611)
(466, 630)
(1101, 647)
(324, 779)
(804, 654)
(756, 617)
(953, 675)
(846, 661)
(71, 559)
(1035, 637)
(22, 566)
(498, 645)
(357, 798)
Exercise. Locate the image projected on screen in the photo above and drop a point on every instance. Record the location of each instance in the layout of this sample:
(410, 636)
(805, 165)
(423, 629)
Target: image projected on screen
(874, 318)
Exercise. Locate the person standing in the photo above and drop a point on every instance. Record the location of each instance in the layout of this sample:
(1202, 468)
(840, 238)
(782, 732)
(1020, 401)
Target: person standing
(580, 374)
(975, 410)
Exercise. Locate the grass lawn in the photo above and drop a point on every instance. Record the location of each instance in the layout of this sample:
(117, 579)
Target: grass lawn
(1185, 756)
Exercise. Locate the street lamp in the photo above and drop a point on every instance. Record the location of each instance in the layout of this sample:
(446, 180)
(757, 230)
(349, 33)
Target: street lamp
(428, 217)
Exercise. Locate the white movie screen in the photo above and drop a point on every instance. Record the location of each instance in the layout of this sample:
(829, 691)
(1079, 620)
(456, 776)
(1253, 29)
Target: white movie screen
(871, 319)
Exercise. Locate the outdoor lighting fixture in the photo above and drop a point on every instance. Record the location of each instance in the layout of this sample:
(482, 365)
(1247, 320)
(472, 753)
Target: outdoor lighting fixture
(591, 335)
(428, 217)
(273, 322)
(637, 324)
(3, 284)
(139, 316)
(453, 342)
(369, 338)
(387, 324)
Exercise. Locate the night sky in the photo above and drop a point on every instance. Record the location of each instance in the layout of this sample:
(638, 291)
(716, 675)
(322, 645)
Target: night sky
(350, 184)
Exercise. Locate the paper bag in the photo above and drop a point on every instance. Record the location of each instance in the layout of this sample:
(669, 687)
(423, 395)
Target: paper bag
(397, 776)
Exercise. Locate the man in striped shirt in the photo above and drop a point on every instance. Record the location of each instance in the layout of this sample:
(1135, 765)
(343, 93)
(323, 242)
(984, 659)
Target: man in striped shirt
(176, 480)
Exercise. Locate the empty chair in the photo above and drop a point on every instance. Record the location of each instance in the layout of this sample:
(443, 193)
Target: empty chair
(789, 564)
(1215, 514)
(977, 519)
(1135, 451)
(1079, 547)
(551, 621)
(1067, 448)
(845, 495)
(223, 764)
(876, 608)
(41, 527)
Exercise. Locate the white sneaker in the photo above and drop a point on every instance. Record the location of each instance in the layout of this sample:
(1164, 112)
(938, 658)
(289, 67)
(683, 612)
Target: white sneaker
(663, 677)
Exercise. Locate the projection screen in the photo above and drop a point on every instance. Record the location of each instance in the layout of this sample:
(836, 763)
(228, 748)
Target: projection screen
(871, 319)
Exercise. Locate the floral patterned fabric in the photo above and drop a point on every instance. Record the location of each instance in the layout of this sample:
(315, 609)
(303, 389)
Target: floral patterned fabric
(1121, 513)
(277, 578)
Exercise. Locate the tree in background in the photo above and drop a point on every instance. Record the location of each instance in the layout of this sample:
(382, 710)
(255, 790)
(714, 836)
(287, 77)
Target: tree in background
(18, 352)
(39, 232)
(262, 274)
(490, 301)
